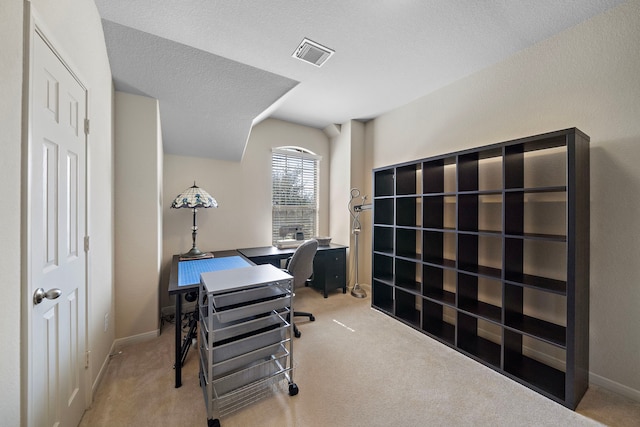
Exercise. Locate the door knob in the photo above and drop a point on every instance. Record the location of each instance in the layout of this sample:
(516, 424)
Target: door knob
(40, 295)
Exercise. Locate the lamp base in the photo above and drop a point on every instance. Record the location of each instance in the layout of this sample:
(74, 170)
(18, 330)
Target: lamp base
(196, 253)
(358, 292)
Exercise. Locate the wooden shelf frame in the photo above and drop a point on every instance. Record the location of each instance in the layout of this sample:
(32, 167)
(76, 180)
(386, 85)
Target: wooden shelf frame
(461, 239)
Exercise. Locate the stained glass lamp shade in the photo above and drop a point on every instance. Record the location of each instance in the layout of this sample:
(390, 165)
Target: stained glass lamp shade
(194, 198)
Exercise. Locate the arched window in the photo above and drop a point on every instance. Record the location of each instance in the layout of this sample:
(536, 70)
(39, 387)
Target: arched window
(294, 176)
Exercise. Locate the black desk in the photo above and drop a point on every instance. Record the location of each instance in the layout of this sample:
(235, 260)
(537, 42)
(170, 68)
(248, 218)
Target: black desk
(329, 264)
(177, 289)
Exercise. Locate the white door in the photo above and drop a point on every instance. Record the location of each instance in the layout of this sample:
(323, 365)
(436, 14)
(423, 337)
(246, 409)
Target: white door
(56, 256)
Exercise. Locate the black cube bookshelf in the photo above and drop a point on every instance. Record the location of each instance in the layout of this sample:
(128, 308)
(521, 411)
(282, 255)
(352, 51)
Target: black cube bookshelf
(487, 251)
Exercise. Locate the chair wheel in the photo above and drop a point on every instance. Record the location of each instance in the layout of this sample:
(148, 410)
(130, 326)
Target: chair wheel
(293, 389)
(213, 423)
(313, 319)
(297, 334)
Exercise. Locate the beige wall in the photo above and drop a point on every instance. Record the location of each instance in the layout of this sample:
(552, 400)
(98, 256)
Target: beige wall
(10, 219)
(585, 77)
(138, 216)
(340, 184)
(360, 175)
(78, 36)
(347, 172)
(243, 192)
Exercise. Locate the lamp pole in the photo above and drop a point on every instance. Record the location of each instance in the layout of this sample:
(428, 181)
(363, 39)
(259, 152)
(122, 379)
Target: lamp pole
(357, 291)
(194, 252)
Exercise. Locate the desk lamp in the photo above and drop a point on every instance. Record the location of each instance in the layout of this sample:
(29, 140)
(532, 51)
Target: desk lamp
(194, 198)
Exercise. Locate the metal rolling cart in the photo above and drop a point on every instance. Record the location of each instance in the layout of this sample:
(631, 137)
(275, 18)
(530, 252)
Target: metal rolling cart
(245, 341)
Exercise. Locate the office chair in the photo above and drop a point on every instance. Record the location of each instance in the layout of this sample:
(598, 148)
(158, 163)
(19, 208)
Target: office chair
(300, 266)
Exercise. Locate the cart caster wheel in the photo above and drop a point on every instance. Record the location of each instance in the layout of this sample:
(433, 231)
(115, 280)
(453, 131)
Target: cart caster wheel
(312, 318)
(293, 389)
(213, 423)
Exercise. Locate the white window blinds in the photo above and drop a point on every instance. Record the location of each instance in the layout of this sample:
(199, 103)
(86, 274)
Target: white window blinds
(294, 174)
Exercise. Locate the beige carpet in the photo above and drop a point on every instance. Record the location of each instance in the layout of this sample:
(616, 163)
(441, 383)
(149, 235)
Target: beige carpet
(354, 367)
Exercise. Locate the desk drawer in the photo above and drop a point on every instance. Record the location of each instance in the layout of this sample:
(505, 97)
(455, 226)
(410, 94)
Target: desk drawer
(329, 270)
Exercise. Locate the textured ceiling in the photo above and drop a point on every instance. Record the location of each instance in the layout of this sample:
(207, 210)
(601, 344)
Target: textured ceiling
(217, 67)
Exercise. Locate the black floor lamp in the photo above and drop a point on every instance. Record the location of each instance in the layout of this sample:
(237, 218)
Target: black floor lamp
(194, 198)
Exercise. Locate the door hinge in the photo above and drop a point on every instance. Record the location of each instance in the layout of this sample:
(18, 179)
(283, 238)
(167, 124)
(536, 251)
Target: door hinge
(86, 243)
(86, 359)
(86, 126)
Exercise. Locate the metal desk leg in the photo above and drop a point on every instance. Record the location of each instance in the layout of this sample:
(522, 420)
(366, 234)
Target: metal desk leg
(178, 365)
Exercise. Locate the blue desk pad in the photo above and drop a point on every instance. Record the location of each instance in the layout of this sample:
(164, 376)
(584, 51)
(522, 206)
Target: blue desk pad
(189, 271)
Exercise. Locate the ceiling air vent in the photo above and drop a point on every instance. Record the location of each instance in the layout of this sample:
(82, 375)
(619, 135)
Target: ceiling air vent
(312, 52)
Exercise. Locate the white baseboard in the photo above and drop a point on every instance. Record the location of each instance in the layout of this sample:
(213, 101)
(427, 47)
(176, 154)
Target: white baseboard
(120, 343)
(116, 346)
(615, 387)
(102, 371)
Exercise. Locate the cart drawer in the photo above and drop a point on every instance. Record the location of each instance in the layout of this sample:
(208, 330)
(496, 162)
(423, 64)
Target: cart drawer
(225, 331)
(249, 343)
(244, 360)
(249, 296)
(253, 374)
(232, 313)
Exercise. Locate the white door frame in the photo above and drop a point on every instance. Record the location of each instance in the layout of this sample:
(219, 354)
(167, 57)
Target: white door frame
(34, 25)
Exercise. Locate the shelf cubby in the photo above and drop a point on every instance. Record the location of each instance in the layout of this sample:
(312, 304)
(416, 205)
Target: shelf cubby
(439, 212)
(439, 284)
(480, 212)
(480, 338)
(438, 247)
(468, 212)
(408, 275)
(544, 168)
(536, 164)
(536, 214)
(409, 179)
(409, 211)
(382, 296)
(406, 307)
(439, 175)
(409, 243)
(537, 263)
(384, 183)
(433, 216)
(480, 170)
(480, 254)
(439, 321)
(524, 315)
(487, 251)
(480, 296)
(383, 268)
(490, 171)
(383, 211)
(490, 212)
(526, 365)
(383, 239)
